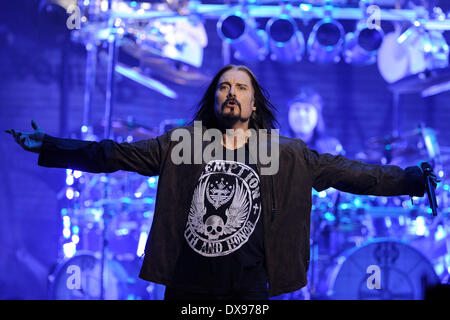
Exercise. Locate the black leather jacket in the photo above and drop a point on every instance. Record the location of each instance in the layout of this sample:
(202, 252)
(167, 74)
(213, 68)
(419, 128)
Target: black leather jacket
(286, 196)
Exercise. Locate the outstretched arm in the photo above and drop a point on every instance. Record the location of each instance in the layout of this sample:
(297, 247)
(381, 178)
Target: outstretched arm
(30, 141)
(143, 156)
(361, 178)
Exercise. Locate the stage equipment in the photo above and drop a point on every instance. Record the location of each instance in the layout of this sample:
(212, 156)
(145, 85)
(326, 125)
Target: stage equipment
(137, 76)
(381, 269)
(77, 278)
(180, 38)
(240, 31)
(415, 60)
(325, 41)
(286, 42)
(361, 47)
(174, 31)
(107, 217)
(342, 223)
(407, 149)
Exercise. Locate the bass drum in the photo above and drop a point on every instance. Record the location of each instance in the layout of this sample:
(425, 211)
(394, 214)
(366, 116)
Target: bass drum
(381, 269)
(78, 278)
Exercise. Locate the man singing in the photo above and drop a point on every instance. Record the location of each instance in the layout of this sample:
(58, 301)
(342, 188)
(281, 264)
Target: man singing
(224, 227)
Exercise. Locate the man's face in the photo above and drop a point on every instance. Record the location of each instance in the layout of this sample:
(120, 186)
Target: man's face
(234, 100)
(303, 117)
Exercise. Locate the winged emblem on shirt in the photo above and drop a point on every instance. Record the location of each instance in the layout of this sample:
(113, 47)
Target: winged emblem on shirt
(236, 213)
(220, 193)
(198, 209)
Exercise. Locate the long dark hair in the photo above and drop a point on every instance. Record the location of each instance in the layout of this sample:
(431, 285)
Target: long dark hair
(262, 118)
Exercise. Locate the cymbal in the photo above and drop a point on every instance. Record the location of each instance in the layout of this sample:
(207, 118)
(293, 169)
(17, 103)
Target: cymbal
(421, 81)
(390, 139)
(409, 148)
(135, 75)
(92, 32)
(175, 71)
(165, 68)
(128, 128)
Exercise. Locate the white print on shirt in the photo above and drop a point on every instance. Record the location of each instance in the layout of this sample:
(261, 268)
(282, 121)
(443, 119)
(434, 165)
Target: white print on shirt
(225, 222)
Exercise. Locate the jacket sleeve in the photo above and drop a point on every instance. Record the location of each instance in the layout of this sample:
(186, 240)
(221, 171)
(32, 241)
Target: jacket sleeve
(361, 178)
(144, 157)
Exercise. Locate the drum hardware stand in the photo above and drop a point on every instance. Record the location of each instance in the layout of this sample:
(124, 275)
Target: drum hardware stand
(314, 257)
(109, 102)
(395, 114)
(315, 268)
(91, 70)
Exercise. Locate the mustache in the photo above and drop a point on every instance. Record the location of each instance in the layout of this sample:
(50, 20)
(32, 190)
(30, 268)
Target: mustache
(229, 100)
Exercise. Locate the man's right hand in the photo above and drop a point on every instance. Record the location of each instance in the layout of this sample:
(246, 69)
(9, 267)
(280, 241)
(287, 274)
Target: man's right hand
(30, 141)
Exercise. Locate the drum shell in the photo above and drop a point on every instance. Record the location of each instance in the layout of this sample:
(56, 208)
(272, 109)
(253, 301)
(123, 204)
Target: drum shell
(404, 273)
(120, 278)
(78, 278)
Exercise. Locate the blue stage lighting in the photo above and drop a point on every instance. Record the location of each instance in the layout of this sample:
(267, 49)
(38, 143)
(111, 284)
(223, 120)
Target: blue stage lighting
(361, 47)
(286, 42)
(240, 31)
(326, 41)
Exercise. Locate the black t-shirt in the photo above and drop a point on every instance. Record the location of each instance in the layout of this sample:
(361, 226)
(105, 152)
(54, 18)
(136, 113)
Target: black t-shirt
(223, 249)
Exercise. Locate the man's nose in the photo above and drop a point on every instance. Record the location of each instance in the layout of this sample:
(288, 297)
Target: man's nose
(231, 92)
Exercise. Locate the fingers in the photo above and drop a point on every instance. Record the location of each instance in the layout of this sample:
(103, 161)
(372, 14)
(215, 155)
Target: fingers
(34, 125)
(11, 132)
(17, 136)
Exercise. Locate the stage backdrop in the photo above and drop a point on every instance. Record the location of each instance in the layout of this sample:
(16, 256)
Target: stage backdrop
(42, 78)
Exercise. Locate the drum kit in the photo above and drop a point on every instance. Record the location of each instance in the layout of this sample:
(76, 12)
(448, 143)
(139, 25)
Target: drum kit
(399, 235)
(152, 43)
(106, 218)
(106, 221)
(349, 233)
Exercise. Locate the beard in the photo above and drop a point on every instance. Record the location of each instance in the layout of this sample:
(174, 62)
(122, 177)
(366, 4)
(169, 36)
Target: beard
(229, 115)
(229, 111)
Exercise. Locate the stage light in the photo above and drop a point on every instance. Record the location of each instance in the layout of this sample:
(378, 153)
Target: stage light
(240, 31)
(286, 42)
(75, 239)
(361, 47)
(69, 180)
(440, 233)
(69, 249)
(70, 193)
(66, 233)
(66, 222)
(325, 41)
(141, 243)
(77, 174)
